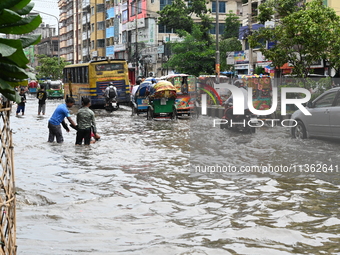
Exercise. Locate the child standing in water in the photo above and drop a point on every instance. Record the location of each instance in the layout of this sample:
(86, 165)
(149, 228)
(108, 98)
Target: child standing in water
(21, 105)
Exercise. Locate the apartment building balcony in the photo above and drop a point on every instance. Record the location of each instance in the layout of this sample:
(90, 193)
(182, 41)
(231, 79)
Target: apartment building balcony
(69, 42)
(86, 36)
(85, 51)
(85, 18)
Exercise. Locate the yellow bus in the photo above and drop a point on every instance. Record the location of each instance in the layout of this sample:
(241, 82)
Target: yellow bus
(91, 79)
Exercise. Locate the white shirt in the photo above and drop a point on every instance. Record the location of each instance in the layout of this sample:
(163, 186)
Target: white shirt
(106, 92)
(134, 90)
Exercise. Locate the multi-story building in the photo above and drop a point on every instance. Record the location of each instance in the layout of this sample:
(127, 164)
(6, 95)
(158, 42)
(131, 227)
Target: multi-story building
(244, 61)
(66, 8)
(149, 53)
(49, 41)
(124, 29)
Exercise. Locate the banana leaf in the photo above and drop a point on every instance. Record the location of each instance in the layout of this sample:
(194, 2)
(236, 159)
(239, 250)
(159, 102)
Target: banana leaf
(6, 87)
(8, 16)
(8, 91)
(7, 4)
(23, 26)
(23, 10)
(18, 57)
(6, 50)
(30, 40)
(14, 71)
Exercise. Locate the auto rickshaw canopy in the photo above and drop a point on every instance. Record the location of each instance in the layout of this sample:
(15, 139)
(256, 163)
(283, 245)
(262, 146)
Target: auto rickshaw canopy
(163, 89)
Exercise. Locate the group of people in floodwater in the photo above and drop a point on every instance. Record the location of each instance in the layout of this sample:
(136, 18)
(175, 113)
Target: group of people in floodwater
(85, 123)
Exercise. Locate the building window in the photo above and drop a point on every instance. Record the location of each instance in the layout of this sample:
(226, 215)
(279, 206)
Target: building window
(100, 7)
(124, 15)
(92, 27)
(101, 25)
(164, 29)
(163, 3)
(101, 43)
(133, 9)
(92, 10)
(139, 6)
(221, 7)
(92, 45)
(221, 27)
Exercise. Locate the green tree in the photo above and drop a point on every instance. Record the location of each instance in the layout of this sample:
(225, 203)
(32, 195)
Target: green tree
(232, 26)
(192, 55)
(226, 47)
(13, 62)
(179, 16)
(276, 9)
(301, 37)
(49, 67)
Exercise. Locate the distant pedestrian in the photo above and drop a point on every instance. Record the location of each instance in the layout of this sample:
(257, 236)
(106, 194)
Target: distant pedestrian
(86, 123)
(21, 105)
(42, 96)
(58, 118)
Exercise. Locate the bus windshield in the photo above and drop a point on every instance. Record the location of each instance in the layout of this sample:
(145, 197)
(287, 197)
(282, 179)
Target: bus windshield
(55, 85)
(109, 67)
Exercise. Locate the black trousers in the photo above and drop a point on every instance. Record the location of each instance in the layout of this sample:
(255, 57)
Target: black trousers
(83, 134)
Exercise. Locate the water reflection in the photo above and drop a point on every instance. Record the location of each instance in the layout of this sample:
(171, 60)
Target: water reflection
(132, 192)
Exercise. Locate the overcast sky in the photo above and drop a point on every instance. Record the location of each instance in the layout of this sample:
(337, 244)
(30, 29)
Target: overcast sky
(50, 7)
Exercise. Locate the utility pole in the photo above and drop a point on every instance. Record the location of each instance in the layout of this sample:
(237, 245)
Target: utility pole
(251, 61)
(136, 39)
(58, 31)
(217, 65)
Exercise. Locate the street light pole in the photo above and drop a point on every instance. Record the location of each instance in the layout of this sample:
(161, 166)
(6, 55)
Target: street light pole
(217, 67)
(136, 38)
(58, 32)
(250, 25)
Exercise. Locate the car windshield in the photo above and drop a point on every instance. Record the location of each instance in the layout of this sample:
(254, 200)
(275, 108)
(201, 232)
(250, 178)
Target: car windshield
(55, 86)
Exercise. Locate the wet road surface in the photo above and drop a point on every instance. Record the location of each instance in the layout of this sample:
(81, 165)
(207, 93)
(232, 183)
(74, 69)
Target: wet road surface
(135, 192)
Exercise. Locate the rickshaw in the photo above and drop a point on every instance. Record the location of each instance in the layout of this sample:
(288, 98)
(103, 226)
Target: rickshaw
(140, 101)
(162, 100)
(186, 93)
(33, 87)
(54, 89)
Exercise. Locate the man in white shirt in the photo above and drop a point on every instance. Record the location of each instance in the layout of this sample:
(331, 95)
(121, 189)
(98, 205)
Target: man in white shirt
(109, 96)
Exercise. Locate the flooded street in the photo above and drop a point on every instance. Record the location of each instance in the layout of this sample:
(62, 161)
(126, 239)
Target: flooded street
(136, 190)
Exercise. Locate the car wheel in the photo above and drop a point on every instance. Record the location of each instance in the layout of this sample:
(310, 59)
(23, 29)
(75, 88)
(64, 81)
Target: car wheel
(299, 131)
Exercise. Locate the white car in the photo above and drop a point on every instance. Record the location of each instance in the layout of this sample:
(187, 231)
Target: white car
(325, 118)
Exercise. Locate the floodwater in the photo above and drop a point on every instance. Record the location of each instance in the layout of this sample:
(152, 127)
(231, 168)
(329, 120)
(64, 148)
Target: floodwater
(134, 192)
